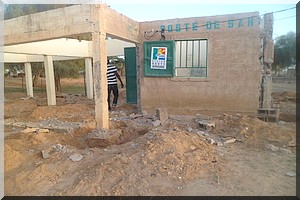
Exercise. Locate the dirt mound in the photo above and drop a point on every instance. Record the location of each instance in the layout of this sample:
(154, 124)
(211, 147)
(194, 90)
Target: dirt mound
(179, 154)
(252, 131)
(69, 112)
(13, 158)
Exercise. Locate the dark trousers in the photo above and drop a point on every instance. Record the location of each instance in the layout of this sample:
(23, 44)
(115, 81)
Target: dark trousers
(115, 90)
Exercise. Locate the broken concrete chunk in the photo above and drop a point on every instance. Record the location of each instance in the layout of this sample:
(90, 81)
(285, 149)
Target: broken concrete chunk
(29, 130)
(203, 133)
(46, 153)
(281, 123)
(144, 113)
(156, 123)
(26, 98)
(219, 144)
(162, 114)
(230, 141)
(190, 129)
(134, 116)
(291, 144)
(206, 124)
(76, 157)
(60, 148)
(272, 147)
(210, 140)
(283, 150)
(291, 174)
(42, 130)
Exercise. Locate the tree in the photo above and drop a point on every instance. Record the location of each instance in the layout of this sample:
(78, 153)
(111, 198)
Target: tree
(66, 69)
(119, 61)
(284, 51)
(38, 70)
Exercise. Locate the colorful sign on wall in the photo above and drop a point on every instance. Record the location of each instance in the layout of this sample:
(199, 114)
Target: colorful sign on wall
(159, 58)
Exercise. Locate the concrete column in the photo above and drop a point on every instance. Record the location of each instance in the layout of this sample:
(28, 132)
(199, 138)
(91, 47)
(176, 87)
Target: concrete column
(28, 78)
(267, 92)
(89, 78)
(50, 83)
(100, 68)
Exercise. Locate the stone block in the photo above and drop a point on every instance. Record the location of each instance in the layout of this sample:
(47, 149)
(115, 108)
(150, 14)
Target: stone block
(156, 123)
(162, 114)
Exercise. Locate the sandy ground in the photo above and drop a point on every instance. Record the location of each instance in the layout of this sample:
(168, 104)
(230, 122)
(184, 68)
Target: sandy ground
(48, 150)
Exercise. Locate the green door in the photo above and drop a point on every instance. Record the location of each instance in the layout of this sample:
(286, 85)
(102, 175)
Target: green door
(131, 75)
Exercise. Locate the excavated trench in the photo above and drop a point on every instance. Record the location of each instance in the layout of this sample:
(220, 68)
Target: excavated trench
(119, 133)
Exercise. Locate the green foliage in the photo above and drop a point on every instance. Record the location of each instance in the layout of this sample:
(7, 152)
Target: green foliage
(118, 61)
(68, 69)
(62, 69)
(284, 51)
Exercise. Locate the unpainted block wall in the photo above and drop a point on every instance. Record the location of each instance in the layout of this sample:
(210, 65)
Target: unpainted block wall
(234, 69)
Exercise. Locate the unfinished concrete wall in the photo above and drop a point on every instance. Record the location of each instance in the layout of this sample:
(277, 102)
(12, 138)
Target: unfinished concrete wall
(98, 20)
(72, 20)
(120, 26)
(47, 25)
(234, 69)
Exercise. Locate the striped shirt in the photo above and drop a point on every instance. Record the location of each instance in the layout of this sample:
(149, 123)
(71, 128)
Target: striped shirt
(111, 74)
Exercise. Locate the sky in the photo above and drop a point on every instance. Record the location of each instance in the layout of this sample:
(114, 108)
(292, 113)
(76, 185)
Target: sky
(284, 21)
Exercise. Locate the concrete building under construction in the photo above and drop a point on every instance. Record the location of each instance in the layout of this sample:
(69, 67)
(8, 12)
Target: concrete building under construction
(216, 63)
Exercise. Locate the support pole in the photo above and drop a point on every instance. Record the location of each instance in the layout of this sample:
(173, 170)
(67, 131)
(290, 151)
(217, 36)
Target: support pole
(100, 68)
(28, 79)
(138, 80)
(89, 78)
(50, 83)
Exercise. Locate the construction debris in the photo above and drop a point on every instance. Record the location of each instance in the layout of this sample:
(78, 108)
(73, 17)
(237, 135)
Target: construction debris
(162, 114)
(76, 157)
(204, 124)
(156, 123)
(230, 141)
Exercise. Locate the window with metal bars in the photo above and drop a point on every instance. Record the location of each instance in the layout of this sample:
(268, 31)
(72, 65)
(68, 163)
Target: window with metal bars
(191, 58)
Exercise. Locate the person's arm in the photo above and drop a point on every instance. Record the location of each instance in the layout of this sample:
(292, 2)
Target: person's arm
(119, 77)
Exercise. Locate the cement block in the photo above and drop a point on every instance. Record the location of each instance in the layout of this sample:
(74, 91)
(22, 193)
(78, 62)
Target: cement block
(162, 114)
(103, 138)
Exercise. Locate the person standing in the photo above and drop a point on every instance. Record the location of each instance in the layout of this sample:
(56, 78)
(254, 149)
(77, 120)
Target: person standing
(112, 84)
